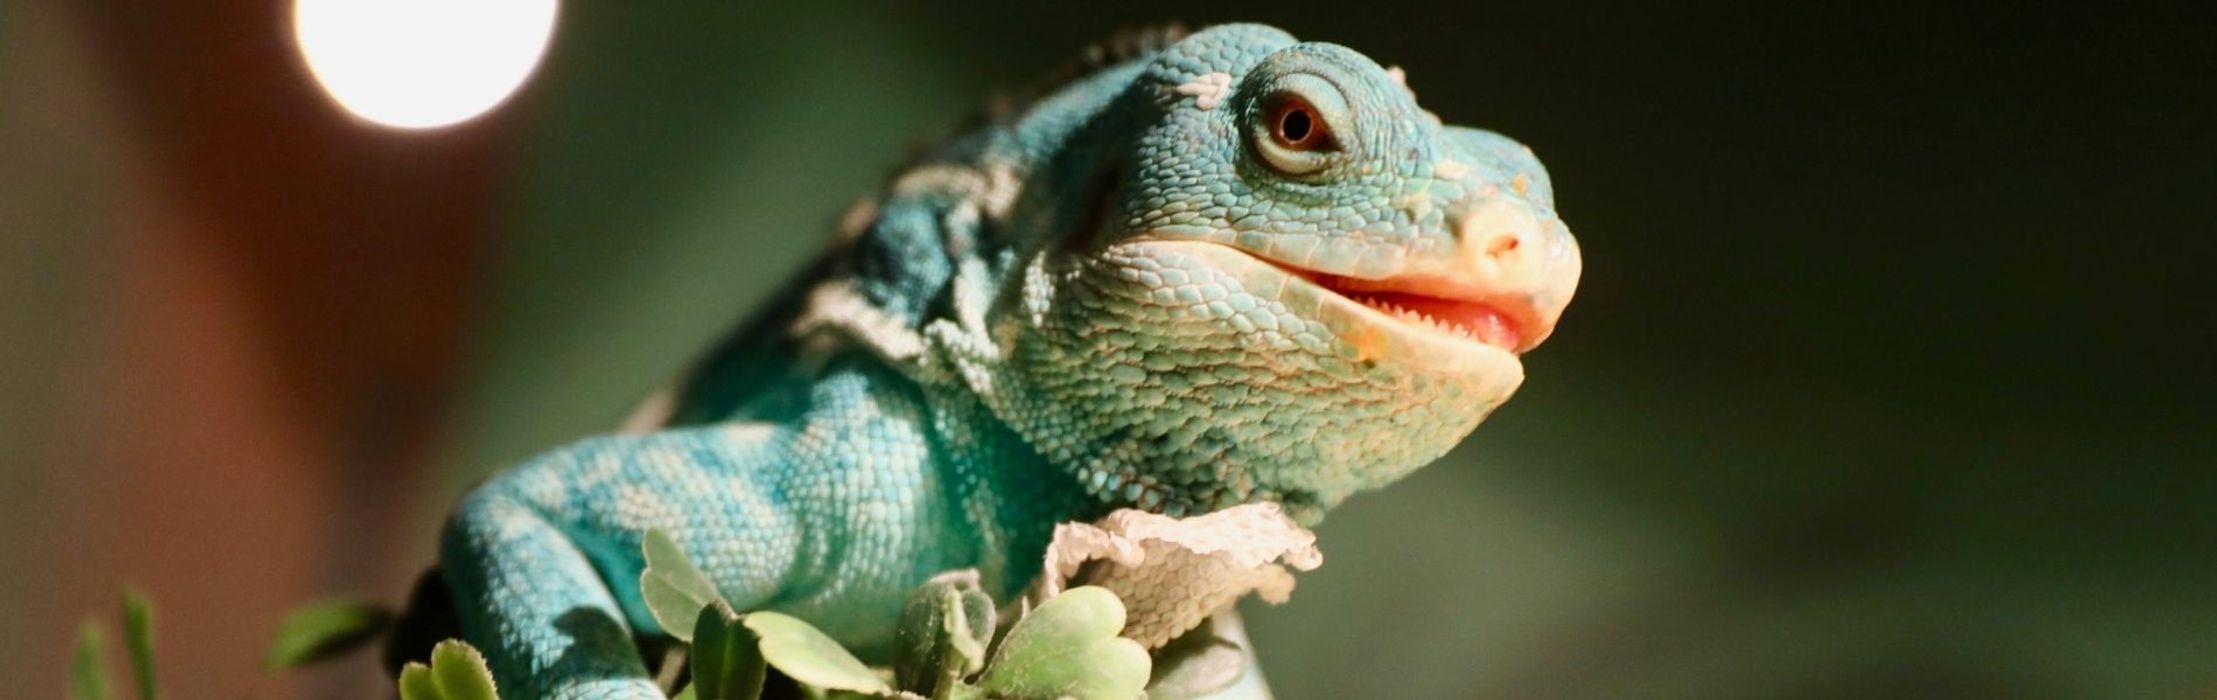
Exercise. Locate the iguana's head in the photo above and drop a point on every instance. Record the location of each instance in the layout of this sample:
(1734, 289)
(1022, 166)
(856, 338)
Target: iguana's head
(1298, 283)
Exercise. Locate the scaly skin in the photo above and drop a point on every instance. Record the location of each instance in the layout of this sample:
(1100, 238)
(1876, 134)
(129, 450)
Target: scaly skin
(1182, 282)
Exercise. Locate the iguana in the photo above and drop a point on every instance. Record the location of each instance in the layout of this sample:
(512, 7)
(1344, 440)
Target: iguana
(1211, 270)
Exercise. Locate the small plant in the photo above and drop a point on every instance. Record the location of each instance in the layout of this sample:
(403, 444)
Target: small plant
(88, 673)
(1067, 648)
(324, 630)
(456, 672)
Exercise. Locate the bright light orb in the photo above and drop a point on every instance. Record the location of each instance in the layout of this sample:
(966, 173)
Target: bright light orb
(421, 64)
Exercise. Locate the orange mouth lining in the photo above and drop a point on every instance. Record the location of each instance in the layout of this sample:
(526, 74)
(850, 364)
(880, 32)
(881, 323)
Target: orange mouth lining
(1473, 320)
(1495, 320)
(1507, 322)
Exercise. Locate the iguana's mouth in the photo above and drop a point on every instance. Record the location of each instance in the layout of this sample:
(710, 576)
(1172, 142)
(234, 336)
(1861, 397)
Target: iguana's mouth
(1435, 312)
(1410, 327)
(1503, 321)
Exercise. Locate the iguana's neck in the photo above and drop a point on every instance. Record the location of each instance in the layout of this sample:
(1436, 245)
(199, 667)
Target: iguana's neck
(1008, 496)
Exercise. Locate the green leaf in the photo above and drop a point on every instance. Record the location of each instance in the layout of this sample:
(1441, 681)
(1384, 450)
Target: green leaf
(675, 590)
(88, 672)
(945, 628)
(323, 630)
(1198, 664)
(1069, 648)
(806, 654)
(457, 672)
(461, 672)
(416, 683)
(138, 638)
(686, 694)
(727, 657)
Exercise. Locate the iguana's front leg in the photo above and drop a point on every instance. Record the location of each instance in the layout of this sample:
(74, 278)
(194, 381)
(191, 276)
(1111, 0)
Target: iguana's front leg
(832, 517)
(530, 598)
(544, 561)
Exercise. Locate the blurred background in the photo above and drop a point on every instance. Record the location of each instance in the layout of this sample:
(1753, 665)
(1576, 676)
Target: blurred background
(1889, 376)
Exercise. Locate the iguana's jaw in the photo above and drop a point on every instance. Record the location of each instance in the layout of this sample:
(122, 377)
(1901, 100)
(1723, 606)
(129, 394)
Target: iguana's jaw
(1504, 321)
(1436, 327)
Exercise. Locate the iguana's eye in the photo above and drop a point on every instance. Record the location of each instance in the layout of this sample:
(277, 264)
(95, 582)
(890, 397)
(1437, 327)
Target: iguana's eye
(1295, 129)
(1296, 126)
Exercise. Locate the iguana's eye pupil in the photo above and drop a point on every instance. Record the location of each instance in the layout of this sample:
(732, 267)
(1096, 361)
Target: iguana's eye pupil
(1294, 126)
(1291, 135)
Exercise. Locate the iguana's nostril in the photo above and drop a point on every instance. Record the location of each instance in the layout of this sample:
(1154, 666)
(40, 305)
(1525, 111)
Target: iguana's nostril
(1505, 247)
(1503, 244)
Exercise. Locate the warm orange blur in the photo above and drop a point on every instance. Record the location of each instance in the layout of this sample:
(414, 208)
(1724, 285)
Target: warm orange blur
(264, 301)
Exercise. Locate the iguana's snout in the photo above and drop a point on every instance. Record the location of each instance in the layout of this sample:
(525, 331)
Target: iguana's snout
(1525, 262)
(1501, 275)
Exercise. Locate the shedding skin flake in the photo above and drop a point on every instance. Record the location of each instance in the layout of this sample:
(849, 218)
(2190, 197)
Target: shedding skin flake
(1208, 89)
(1449, 170)
(1401, 77)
